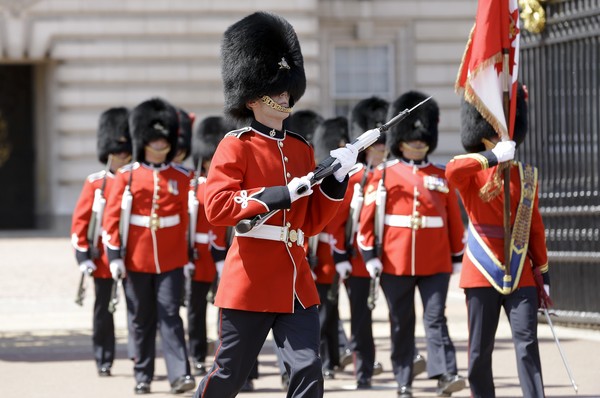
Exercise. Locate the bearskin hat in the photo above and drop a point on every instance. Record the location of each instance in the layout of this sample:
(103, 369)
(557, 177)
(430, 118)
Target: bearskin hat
(184, 139)
(304, 122)
(474, 127)
(368, 114)
(207, 135)
(113, 133)
(329, 135)
(260, 55)
(150, 120)
(421, 124)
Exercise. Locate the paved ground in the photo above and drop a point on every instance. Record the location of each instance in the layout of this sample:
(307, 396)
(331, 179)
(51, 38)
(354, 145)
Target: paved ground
(45, 339)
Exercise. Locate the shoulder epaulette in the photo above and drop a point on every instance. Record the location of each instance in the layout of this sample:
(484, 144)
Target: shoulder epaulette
(439, 166)
(128, 167)
(355, 169)
(387, 164)
(298, 136)
(96, 176)
(182, 169)
(238, 133)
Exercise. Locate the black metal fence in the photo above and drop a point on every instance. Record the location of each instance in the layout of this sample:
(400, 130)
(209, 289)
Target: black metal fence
(561, 68)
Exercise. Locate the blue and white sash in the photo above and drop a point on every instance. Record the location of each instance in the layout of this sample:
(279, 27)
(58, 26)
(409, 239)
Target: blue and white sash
(482, 256)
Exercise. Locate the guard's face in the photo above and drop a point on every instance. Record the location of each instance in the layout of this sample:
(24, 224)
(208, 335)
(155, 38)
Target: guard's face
(119, 160)
(414, 150)
(375, 154)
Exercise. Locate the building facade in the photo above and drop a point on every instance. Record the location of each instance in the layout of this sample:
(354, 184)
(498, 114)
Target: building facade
(63, 62)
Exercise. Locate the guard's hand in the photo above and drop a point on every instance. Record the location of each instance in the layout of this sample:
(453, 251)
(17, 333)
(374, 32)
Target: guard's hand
(344, 268)
(504, 151)
(87, 267)
(347, 158)
(117, 269)
(547, 289)
(374, 267)
(219, 266)
(456, 267)
(188, 270)
(297, 183)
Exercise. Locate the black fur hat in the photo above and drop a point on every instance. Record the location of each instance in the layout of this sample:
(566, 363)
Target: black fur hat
(368, 114)
(184, 139)
(152, 119)
(113, 133)
(421, 124)
(304, 122)
(329, 135)
(260, 55)
(207, 135)
(474, 127)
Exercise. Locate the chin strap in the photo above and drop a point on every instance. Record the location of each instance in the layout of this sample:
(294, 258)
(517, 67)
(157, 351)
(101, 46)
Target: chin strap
(269, 102)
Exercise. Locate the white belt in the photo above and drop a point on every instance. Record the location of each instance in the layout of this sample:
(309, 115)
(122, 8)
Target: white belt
(203, 239)
(415, 221)
(273, 232)
(325, 238)
(154, 222)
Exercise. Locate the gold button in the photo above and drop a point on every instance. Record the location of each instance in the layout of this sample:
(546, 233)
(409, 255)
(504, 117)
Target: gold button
(288, 224)
(290, 244)
(281, 144)
(285, 159)
(288, 175)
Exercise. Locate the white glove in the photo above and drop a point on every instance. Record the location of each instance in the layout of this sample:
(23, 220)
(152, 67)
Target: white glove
(374, 267)
(117, 269)
(344, 268)
(87, 267)
(347, 158)
(504, 150)
(456, 267)
(297, 183)
(547, 289)
(219, 265)
(188, 270)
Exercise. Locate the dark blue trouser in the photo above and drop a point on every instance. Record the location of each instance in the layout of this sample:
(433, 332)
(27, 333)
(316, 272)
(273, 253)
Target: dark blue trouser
(241, 337)
(156, 299)
(197, 333)
(361, 326)
(483, 306)
(400, 294)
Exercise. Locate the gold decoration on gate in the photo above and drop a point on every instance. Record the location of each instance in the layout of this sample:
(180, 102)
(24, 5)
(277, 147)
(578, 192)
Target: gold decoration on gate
(533, 15)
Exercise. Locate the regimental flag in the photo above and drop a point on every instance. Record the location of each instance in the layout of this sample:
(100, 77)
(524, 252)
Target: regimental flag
(481, 74)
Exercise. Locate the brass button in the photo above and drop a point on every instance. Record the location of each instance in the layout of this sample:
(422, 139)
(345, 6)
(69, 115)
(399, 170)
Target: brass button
(281, 144)
(285, 159)
(288, 224)
(288, 175)
(290, 244)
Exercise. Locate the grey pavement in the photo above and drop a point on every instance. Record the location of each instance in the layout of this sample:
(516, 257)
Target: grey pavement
(45, 339)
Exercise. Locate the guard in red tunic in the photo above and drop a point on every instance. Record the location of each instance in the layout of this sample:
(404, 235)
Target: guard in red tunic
(209, 241)
(478, 180)
(145, 232)
(266, 284)
(367, 114)
(114, 151)
(421, 231)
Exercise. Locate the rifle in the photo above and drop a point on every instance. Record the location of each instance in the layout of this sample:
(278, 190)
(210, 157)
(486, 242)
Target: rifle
(193, 205)
(328, 166)
(356, 205)
(212, 292)
(380, 202)
(94, 230)
(126, 203)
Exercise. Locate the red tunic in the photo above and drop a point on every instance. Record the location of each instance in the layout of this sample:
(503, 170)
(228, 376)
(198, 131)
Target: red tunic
(419, 190)
(469, 173)
(248, 176)
(210, 241)
(337, 227)
(81, 222)
(160, 191)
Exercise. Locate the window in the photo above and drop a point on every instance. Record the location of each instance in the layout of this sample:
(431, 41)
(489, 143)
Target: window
(360, 71)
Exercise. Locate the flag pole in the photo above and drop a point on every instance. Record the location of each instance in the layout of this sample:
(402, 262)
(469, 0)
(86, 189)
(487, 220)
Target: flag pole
(507, 280)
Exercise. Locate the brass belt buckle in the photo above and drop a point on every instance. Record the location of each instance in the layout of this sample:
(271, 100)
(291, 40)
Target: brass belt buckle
(293, 236)
(416, 221)
(154, 222)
